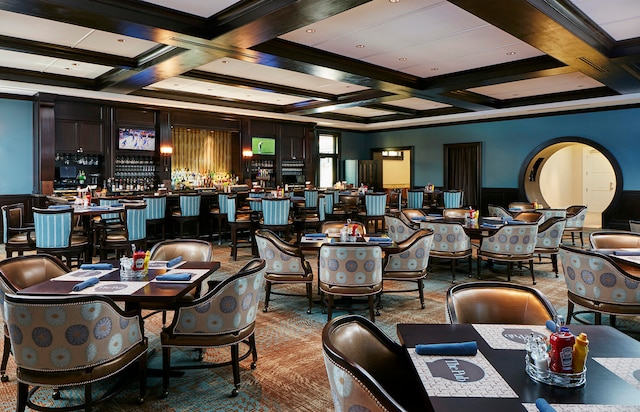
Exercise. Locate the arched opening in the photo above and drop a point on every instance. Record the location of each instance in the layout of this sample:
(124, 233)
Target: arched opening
(572, 171)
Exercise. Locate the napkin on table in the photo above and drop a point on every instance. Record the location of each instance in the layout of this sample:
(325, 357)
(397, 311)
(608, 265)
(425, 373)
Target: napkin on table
(174, 261)
(448, 349)
(320, 235)
(543, 405)
(551, 325)
(380, 239)
(85, 284)
(59, 206)
(174, 277)
(490, 226)
(96, 266)
(632, 252)
(115, 205)
(99, 207)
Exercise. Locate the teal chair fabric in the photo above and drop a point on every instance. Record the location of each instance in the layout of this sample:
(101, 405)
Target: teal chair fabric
(136, 218)
(375, 208)
(329, 202)
(311, 199)
(109, 217)
(239, 222)
(190, 205)
(53, 227)
(134, 232)
(452, 199)
(156, 207)
(275, 212)
(415, 198)
(322, 209)
(189, 211)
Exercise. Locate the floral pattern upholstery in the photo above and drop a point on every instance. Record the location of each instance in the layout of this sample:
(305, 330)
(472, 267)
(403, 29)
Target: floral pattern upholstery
(448, 238)
(279, 261)
(550, 237)
(511, 240)
(350, 266)
(413, 258)
(499, 211)
(549, 213)
(397, 229)
(577, 220)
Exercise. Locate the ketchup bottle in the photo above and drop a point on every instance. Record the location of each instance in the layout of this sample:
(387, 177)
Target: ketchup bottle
(561, 354)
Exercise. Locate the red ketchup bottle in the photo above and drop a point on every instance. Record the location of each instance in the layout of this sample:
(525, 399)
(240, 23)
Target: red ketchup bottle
(138, 260)
(561, 354)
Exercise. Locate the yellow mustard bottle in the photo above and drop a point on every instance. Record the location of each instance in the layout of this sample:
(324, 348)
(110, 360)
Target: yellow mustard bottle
(580, 351)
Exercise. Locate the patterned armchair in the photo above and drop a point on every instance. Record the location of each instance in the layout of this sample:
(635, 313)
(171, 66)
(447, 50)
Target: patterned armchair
(549, 213)
(499, 211)
(368, 371)
(450, 242)
(614, 239)
(350, 269)
(512, 243)
(410, 262)
(225, 316)
(397, 229)
(188, 211)
(575, 222)
(549, 238)
(284, 264)
(17, 237)
(596, 282)
(71, 341)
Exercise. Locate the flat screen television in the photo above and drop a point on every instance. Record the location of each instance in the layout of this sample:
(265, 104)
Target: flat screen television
(263, 145)
(136, 139)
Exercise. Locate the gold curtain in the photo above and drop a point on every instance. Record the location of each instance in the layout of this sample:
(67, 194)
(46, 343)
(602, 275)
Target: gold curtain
(199, 150)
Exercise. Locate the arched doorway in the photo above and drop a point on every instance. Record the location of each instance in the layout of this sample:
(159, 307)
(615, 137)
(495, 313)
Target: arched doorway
(572, 171)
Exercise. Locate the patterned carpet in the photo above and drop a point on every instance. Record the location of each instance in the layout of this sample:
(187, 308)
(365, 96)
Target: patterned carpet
(290, 375)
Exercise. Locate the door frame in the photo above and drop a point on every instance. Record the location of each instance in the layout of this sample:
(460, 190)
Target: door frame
(411, 150)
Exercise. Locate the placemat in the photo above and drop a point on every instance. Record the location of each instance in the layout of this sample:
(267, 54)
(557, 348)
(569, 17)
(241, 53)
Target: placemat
(509, 336)
(162, 264)
(83, 274)
(308, 239)
(574, 407)
(625, 368)
(460, 377)
(112, 288)
(195, 274)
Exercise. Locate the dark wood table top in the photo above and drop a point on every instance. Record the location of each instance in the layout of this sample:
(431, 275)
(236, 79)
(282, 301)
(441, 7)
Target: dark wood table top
(602, 387)
(315, 245)
(152, 292)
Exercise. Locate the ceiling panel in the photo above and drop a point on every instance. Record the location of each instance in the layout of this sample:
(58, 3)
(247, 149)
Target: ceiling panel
(44, 64)
(417, 104)
(196, 7)
(619, 18)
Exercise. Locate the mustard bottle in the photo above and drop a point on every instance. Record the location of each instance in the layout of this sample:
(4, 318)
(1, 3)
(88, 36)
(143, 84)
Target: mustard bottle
(580, 351)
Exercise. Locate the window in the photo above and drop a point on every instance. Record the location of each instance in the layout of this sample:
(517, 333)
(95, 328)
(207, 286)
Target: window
(328, 150)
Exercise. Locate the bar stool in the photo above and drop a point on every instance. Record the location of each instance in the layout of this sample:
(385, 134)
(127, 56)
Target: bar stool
(219, 213)
(54, 235)
(188, 211)
(375, 206)
(239, 222)
(17, 236)
(134, 232)
(276, 216)
(156, 207)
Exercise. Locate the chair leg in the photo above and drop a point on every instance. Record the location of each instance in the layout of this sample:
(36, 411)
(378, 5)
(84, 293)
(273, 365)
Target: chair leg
(235, 364)
(330, 308)
(372, 314)
(87, 397)
(533, 276)
(453, 271)
(573, 241)
(267, 293)
(469, 269)
(554, 263)
(166, 366)
(612, 320)
(421, 292)
(254, 351)
(570, 307)
(598, 318)
(581, 240)
(309, 296)
(23, 394)
(142, 374)
(478, 265)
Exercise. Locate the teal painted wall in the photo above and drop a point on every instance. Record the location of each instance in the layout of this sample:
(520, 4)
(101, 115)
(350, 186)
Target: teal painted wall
(507, 143)
(16, 147)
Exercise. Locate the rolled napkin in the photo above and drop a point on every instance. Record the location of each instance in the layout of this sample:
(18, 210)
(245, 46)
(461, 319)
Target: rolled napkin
(380, 239)
(174, 261)
(96, 266)
(99, 207)
(85, 284)
(630, 252)
(543, 405)
(419, 218)
(448, 349)
(174, 277)
(434, 215)
(320, 235)
(59, 206)
(551, 325)
(115, 205)
(490, 226)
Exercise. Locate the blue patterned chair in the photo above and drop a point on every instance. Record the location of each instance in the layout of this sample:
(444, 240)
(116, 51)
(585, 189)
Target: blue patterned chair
(450, 242)
(21, 272)
(453, 199)
(17, 236)
(415, 199)
(368, 371)
(285, 265)
(219, 213)
(512, 243)
(575, 222)
(239, 223)
(375, 205)
(276, 216)
(224, 316)
(549, 238)
(499, 211)
(350, 269)
(187, 212)
(531, 217)
(397, 229)
(549, 213)
(134, 232)
(596, 282)
(73, 341)
(54, 235)
(409, 263)
(155, 215)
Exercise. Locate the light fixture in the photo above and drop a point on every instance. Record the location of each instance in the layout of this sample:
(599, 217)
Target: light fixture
(247, 154)
(166, 150)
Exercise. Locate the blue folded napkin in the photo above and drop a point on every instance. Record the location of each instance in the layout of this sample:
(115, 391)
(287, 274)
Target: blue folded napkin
(380, 239)
(321, 235)
(448, 349)
(419, 218)
(115, 205)
(85, 284)
(551, 325)
(490, 226)
(174, 261)
(434, 215)
(59, 206)
(99, 207)
(634, 252)
(96, 266)
(174, 277)
(543, 405)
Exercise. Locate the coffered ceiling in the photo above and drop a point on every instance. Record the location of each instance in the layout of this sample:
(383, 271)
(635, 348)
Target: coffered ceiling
(353, 64)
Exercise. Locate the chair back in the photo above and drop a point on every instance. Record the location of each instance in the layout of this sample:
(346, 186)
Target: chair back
(512, 239)
(190, 205)
(311, 198)
(334, 227)
(531, 217)
(549, 213)
(102, 201)
(322, 210)
(452, 198)
(255, 204)
(576, 216)
(275, 212)
(395, 200)
(520, 206)
(222, 202)
(634, 225)
(448, 237)
(20, 272)
(12, 217)
(413, 255)
(135, 215)
(53, 227)
(279, 256)
(375, 204)
(397, 229)
(498, 302)
(189, 249)
(156, 207)
(232, 208)
(455, 213)
(231, 306)
(350, 265)
(614, 239)
(550, 233)
(350, 202)
(499, 211)
(329, 202)
(415, 199)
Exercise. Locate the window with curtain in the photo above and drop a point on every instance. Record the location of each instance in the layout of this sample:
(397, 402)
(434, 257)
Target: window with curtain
(328, 150)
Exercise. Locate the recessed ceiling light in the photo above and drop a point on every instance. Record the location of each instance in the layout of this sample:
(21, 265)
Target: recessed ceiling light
(515, 95)
(403, 59)
(122, 40)
(394, 1)
(360, 46)
(434, 69)
(225, 61)
(311, 30)
(511, 53)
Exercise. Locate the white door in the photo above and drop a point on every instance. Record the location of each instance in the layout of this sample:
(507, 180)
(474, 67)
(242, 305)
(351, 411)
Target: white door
(599, 185)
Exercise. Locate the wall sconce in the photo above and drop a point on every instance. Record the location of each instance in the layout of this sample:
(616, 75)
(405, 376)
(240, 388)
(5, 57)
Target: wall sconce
(165, 152)
(247, 155)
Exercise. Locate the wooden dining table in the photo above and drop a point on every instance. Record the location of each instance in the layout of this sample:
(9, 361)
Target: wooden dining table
(495, 378)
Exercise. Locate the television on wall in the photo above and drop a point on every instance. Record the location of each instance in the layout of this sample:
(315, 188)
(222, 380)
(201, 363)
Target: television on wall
(263, 145)
(136, 139)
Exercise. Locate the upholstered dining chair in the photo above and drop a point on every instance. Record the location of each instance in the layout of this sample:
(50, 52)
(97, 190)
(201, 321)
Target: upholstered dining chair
(21, 272)
(285, 264)
(450, 242)
(276, 216)
(348, 207)
(18, 236)
(219, 213)
(548, 240)
(69, 341)
(394, 201)
(155, 216)
(54, 235)
(374, 209)
(512, 243)
(531, 217)
(455, 213)
(415, 199)
(453, 198)
(239, 222)
(368, 371)
(187, 212)
(134, 232)
(520, 206)
(224, 317)
(333, 228)
(634, 225)
(397, 229)
(408, 215)
(498, 302)
(308, 217)
(575, 222)
(499, 211)
(351, 270)
(409, 263)
(596, 282)
(549, 213)
(614, 239)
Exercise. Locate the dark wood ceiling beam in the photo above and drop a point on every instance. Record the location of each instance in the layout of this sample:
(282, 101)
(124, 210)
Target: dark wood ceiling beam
(27, 76)
(209, 100)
